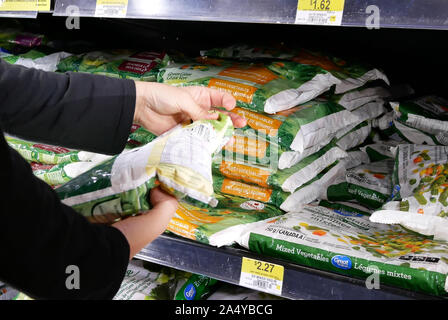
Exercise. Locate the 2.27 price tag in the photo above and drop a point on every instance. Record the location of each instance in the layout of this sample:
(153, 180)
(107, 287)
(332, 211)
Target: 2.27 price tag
(262, 276)
(320, 12)
(111, 8)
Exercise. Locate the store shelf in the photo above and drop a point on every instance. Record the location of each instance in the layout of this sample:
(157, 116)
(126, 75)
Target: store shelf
(18, 14)
(418, 14)
(300, 282)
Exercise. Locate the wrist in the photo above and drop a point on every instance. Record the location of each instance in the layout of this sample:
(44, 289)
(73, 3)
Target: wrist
(140, 101)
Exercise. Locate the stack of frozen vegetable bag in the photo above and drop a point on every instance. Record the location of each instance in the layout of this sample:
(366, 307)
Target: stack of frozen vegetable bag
(330, 171)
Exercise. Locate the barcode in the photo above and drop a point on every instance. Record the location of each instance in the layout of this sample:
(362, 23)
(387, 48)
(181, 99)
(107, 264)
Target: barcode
(317, 19)
(113, 11)
(262, 284)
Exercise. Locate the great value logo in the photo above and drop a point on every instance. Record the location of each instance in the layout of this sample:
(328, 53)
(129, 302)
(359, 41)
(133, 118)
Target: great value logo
(190, 292)
(341, 262)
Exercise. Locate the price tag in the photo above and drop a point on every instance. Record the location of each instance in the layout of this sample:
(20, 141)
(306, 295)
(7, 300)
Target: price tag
(262, 276)
(111, 8)
(44, 5)
(320, 12)
(18, 5)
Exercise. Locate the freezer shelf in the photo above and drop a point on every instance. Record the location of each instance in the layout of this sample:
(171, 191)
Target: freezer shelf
(415, 14)
(18, 14)
(299, 282)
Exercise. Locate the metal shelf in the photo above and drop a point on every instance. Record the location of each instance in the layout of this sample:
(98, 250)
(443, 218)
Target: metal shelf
(300, 282)
(18, 14)
(412, 14)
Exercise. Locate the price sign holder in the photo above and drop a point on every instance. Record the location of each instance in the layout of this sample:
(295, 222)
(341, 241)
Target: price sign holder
(320, 12)
(262, 276)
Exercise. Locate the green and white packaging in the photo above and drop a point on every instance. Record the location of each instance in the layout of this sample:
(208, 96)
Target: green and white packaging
(354, 158)
(56, 174)
(49, 154)
(351, 74)
(254, 85)
(147, 281)
(288, 179)
(351, 245)
(125, 64)
(312, 190)
(420, 188)
(358, 97)
(427, 114)
(345, 208)
(371, 184)
(214, 225)
(382, 150)
(180, 160)
(36, 59)
(355, 137)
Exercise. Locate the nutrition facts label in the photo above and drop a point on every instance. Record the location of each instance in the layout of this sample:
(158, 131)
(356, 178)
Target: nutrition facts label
(320, 12)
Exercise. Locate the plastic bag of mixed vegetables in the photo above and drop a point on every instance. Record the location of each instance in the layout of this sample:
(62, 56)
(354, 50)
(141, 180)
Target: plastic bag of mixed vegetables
(360, 96)
(57, 174)
(21, 38)
(355, 137)
(180, 160)
(253, 85)
(35, 59)
(313, 189)
(127, 64)
(289, 179)
(351, 74)
(210, 225)
(302, 127)
(352, 245)
(381, 150)
(49, 154)
(420, 188)
(423, 120)
(147, 281)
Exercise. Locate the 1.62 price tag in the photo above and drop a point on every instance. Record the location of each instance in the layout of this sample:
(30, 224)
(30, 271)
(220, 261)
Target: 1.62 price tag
(320, 12)
(262, 276)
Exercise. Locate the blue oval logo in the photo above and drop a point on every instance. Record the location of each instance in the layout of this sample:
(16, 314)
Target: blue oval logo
(341, 262)
(190, 292)
(346, 213)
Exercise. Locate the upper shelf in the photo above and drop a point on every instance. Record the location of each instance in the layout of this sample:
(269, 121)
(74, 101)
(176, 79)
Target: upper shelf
(412, 14)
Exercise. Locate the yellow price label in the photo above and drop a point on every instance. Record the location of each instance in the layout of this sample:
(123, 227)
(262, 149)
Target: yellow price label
(321, 5)
(44, 5)
(18, 5)
(262, 276)
(111, 8)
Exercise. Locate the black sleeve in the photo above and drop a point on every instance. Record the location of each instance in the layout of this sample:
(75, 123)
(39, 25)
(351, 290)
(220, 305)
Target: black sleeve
(40, 237)
(75, 110)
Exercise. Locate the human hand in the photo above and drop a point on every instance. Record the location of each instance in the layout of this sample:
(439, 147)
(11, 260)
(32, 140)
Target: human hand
(160, 107)
(143, 229)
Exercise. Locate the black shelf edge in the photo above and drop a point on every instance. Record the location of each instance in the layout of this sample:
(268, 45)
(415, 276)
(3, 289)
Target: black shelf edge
(300, 282)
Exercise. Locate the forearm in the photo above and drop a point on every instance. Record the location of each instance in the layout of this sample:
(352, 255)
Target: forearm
(74, 110)
(143, 229)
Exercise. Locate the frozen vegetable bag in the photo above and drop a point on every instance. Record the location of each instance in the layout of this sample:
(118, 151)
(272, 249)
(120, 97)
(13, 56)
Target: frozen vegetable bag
(428, 116)
(126, 64)
(180, 160)
(254, 86)
(420, 187)
(210, 225)
(351, 74)
(338, 242)
(306, 126)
